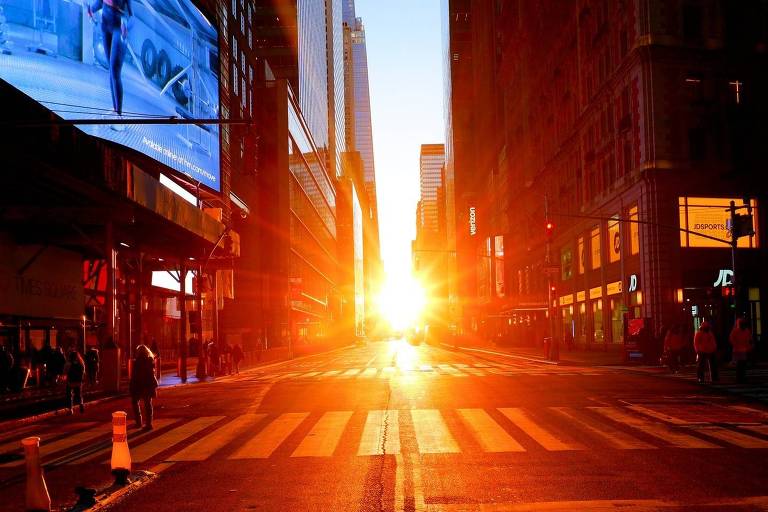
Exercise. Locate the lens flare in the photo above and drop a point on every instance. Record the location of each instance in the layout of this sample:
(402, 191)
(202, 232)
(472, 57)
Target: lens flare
(401, 302)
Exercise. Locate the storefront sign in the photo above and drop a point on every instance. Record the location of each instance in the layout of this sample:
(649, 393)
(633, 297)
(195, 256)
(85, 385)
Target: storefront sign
(633, 283)
(710, 216)
(596, 292)
(725, 278)
(43, 282)
(581, 296)
(472, 221)
(566, 300)
(613, 288)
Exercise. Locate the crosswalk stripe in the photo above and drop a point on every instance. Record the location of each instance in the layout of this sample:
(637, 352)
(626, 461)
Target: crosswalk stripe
(369, 372)
(538, 433)
(67, 442)
(15, 445)
(654, 429)
(351, 372)
(265, 442)
(387, 372)
(213, 442)
(324, 436)
(149, 449)
(474, 371)
(426, 368)
(757, 429)
(310, 374)
(133, 437)
(331, 373)
(614, 437)
(450, 370)
(730, 436)
(432, 434)
(488, 433)
(377, 424)
(659, 415)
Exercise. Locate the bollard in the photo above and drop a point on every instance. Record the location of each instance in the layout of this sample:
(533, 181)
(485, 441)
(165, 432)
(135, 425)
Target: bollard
(121, 455)
(37, 492)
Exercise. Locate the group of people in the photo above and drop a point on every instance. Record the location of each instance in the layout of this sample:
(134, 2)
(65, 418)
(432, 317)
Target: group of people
(222, 361)
(706, 348)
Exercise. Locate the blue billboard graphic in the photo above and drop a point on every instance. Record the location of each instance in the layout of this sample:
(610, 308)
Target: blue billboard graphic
(121, 59)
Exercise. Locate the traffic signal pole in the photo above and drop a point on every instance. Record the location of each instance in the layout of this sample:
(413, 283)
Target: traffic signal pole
(553, 348)
(734, 245)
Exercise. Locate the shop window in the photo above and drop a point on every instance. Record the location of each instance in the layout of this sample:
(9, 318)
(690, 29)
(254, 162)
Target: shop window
(614, 240)
(595, 251)
(597, 321)
(566, 263)
(634, 231)
(582, 325)
(617, 320)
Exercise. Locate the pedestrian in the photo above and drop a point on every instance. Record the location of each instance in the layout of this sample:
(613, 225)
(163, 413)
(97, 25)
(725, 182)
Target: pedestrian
(6, 366)
(741, 342)
(143, 385)
(74, 374)
(92, 365)
(55, 366)
(226, 357)
(213, 357)
(237, 356)
(706, 352)
(673, 347)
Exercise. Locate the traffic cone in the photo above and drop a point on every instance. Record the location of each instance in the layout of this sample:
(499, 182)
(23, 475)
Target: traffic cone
(121, 455)
(37, 492)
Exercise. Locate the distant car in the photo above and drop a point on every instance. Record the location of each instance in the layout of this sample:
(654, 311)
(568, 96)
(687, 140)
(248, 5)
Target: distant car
(415, 335)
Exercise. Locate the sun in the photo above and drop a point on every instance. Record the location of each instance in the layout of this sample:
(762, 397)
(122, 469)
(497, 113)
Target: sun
(401, 301)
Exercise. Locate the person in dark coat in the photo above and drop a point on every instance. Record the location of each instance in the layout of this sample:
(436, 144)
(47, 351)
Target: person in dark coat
(237, 356)
(74, 372)
(143, 385)
(92, 365)
(56, 364)
(6, 365)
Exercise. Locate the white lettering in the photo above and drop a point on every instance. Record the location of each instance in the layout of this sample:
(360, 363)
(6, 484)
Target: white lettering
(725, 278)
(472, 221)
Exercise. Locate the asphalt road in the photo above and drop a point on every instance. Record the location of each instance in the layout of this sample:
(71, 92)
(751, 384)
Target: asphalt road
(389, 426)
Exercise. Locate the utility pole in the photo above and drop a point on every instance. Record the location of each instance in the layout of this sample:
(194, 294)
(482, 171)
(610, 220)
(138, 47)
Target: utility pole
(554, 349)
(741, 225)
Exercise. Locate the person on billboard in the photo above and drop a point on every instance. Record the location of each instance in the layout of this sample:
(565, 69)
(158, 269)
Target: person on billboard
(114, 26)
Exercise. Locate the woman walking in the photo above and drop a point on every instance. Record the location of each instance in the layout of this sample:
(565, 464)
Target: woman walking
(74, 372)
(706, 352)
(143, 385)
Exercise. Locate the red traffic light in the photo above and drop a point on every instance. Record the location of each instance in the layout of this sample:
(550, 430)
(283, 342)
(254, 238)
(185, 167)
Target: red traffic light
(549, 228)
(552, 288)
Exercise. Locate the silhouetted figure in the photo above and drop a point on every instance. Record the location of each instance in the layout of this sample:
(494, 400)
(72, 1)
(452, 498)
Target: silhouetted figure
(74, 372)
(92, 365)
(741, 341)
(237, 357)
(143, 385)
(706, 352)
(55, 365)
(6, 365)
(673, 346)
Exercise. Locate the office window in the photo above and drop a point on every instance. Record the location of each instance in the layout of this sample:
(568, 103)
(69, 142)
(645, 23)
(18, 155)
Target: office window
(582, 255)
(614, 240)
(595, 247)
(634, 231)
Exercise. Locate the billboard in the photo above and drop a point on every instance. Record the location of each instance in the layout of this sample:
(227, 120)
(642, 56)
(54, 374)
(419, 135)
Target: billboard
(710, 216)
(120, 60)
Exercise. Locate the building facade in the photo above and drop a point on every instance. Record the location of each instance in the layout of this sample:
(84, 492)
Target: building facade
(630, 126)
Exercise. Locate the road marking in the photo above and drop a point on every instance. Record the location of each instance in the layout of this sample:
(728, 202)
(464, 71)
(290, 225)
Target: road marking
(757, 429)
(426, 368)
(324, 436)
(450, 370)
(133, 437)
(351, 372)
(310, 374)
(730, 436)
(657, 430)
(146, 451)
(756, 502)
(371, 360)
(614, 437)
(387, 372)
(369, 372)
(216, 440)
(377, 424)
(432, 434)
(267, 441)
(539, 434)
(331, 373)
(68, 442)
(659, 415)
(399, 483)
(490, 436)
(15, 445)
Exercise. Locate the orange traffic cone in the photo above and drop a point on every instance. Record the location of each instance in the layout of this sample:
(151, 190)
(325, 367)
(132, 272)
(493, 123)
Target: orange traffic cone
(121, 455)
(37, 492)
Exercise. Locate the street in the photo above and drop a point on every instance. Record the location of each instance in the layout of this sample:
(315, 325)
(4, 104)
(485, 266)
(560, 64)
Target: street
(391, 426)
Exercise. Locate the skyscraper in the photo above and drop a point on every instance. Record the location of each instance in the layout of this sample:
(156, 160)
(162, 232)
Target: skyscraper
(431, 162)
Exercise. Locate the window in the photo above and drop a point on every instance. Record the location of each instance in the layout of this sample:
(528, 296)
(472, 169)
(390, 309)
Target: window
(597, 321)
(582, 255)
(614, 240)
(595, 247)
(566, 263)
(634, 231)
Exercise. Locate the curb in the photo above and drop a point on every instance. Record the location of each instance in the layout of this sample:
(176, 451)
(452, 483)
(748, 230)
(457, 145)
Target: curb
(504, 354)
(113, 494)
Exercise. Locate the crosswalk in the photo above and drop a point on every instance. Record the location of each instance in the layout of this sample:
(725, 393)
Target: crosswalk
(317, 434)
(389, 372)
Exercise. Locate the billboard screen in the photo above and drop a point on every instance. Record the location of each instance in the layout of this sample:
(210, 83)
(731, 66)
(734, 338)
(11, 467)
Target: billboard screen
(121, 59)
(710, 216)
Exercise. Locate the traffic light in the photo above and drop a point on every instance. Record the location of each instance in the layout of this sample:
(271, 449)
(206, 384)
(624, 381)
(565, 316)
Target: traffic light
(549, 229)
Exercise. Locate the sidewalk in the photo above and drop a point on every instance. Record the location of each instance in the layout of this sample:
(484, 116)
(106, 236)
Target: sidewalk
(580, 357)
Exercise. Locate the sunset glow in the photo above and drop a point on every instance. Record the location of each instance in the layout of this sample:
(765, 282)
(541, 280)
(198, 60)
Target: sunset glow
(401, 301)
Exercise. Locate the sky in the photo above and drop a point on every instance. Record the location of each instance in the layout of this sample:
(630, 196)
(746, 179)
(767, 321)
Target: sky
(404, 45)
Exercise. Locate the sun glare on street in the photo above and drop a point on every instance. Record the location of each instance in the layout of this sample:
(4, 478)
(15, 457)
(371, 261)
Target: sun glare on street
(401, 301)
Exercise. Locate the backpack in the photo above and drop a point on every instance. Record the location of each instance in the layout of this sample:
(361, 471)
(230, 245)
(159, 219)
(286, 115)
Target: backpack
(75, 373)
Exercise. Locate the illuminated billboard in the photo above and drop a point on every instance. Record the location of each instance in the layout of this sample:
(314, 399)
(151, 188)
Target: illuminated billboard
(121, 60)
(710, 216)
